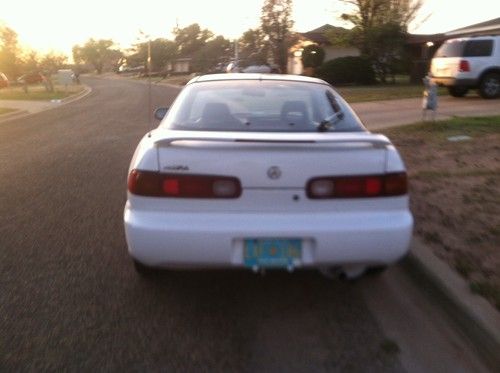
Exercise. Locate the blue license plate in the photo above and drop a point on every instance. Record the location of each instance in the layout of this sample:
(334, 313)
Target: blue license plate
(272, 253)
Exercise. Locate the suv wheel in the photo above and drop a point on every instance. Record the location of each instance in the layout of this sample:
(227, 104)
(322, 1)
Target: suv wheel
(458, 91)
(490, 86)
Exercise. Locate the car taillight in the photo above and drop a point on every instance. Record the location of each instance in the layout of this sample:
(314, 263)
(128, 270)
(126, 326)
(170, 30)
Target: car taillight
(156, 184)
(394, 184)
(464, 66)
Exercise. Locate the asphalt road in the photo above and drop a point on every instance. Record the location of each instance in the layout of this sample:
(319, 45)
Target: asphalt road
(70, 299)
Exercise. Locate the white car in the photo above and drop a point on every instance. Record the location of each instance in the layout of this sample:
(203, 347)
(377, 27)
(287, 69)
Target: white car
(468, 63)
(265, 171)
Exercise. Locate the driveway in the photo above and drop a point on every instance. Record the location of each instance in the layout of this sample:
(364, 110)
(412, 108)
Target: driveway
(383, 114)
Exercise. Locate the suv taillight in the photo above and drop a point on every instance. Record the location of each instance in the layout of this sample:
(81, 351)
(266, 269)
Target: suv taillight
(464, 66)
(387, 185)
(156, 184)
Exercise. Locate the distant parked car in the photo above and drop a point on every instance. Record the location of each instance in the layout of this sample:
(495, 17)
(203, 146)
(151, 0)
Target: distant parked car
(468, 63)
(4, 81)
(258, 69)
(128, 69)
(31, 78)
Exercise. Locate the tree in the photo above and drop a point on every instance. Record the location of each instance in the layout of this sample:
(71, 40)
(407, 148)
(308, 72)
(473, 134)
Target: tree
(276, 25)
(162, 51)
(253, 48)
(211, 53)
(190, 39)
(98, 53)
(380, 29)
(31, 62)
(9, 52)
(52, 62)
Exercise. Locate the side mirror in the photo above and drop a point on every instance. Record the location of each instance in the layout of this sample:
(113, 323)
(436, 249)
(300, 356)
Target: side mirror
(161, 112)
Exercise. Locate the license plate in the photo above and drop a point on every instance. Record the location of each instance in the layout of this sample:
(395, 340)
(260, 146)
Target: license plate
(272, 253)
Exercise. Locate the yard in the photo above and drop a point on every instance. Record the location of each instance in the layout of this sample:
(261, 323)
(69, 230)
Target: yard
(383, 92)
(401, 89)
(454, 172)
(38, 92)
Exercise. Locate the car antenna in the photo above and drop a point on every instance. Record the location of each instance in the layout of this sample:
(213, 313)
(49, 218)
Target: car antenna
(148, 71)
(150, 104)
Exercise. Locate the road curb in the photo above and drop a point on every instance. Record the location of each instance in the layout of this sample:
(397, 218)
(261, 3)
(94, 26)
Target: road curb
(474, 317)
(86, 90)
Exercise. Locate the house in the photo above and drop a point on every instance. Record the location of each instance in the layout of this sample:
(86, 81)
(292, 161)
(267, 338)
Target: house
(180, 66)
(491, 27)
(420, 47)
(321, 36)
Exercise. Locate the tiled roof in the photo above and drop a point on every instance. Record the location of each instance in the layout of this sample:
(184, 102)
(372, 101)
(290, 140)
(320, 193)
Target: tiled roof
(492, 24)
(319, 35)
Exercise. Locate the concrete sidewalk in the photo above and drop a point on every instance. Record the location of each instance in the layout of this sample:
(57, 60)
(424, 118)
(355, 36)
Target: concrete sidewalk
(383, 114)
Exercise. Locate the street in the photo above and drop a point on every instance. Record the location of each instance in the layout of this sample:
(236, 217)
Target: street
(70, 299)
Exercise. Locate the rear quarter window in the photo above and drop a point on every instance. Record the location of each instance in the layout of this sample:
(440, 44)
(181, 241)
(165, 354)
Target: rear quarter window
(478, 48)
(452, 48)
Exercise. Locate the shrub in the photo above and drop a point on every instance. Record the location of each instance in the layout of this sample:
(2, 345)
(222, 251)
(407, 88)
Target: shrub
(347, 70)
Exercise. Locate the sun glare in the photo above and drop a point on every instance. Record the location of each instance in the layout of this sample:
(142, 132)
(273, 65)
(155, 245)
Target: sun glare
(57, 25)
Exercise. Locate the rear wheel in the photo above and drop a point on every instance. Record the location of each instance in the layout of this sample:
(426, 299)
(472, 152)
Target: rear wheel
(490, 86)
(458, 91)
(376, 271)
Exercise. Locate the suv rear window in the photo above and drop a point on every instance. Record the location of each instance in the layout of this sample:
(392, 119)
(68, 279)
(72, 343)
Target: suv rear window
(478, 48)
(452, 48)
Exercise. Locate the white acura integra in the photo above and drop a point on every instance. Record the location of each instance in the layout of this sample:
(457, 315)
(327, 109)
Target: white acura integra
(265, 171)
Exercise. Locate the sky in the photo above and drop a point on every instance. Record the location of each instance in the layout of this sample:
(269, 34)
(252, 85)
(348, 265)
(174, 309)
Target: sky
(57, 25)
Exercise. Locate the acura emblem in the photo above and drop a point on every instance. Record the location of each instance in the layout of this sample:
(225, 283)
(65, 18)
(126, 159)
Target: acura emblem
(274, 172)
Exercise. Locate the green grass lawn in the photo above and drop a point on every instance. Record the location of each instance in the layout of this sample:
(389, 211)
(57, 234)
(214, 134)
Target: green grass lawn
(383, 92)
(455, 194)
(6, 110)
(469, 126)
(38, 92)
(352, 93)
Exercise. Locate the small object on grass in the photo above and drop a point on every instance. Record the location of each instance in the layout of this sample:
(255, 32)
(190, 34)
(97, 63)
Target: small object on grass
(430, 99)
(56, 101)
(459, 138)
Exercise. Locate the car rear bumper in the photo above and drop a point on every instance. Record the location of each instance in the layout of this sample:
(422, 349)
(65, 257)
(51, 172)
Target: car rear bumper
(454, 82)
(183, 240)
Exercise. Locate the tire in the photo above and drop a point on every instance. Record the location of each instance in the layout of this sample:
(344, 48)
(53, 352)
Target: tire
(458, 91)
(375, 271)
(144, 270)
(490, 86)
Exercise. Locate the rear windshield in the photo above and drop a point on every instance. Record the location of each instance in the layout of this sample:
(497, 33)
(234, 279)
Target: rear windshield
(452, 48)
(259, 106)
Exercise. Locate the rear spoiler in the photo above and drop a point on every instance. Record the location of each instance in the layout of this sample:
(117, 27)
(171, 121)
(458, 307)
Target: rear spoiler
(378, 141)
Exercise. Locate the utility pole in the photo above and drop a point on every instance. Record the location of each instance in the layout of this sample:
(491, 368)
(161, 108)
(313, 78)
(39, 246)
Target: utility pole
(148, 69)
(236, 53)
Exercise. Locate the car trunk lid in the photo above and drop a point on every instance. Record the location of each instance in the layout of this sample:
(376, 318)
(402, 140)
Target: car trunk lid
(271, 160)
